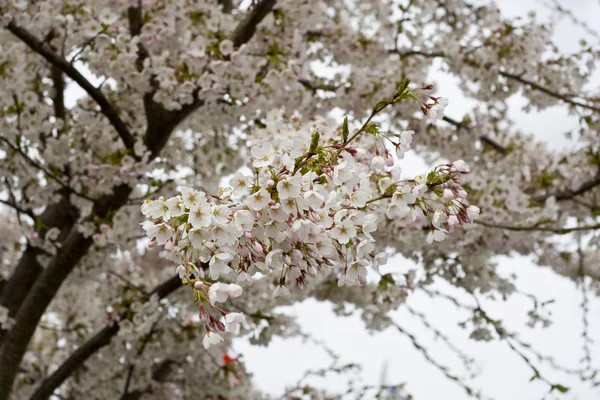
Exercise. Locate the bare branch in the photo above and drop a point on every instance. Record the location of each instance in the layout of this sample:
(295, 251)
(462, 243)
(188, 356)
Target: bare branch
(560, 231)
(547, 91)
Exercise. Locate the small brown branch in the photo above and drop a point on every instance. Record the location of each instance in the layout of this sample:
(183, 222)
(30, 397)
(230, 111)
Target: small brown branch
(485, 139)
(140, 351)
(316, 86)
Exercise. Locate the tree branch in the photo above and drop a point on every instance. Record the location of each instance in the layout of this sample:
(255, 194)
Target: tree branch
(18, 209)
(45, 287)
(495, 145)
(108, 109)
(560, 231)
(140, 351)
(246, 28)
(160, 125)
(508, 75)
(60, 215)
(93, 345)
(227, 6)
(44, 170)
(547, 91)
(570, 194)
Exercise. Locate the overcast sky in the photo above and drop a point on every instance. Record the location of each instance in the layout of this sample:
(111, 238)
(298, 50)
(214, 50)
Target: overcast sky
(503, 375)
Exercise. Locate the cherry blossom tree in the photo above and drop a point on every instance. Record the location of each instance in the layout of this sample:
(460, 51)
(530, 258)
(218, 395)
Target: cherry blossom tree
(221, 159)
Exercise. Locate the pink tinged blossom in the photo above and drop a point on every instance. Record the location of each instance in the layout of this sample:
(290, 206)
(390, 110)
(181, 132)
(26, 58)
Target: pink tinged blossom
(460, 192)
(221, 214)
(198, 285)
(282, 291)
(436, 112)
(289, 188)
(200, 215)
(378, 163)
(211, 338)
(239, 182)
(460, 166)
(243, 220)
(226, 47)
(259, 200)
(389, 160)
(453, 220)
(448, 194)
(472, 212)
(435, 235)
(343, 232)
(191, 196)
(263, 155)
(181, 271)
(244, 278)
(218, 265)
(234, 321)
(218, 293)
(235, 290)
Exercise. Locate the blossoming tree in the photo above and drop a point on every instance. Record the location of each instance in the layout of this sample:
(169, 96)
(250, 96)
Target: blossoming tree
(199, 175)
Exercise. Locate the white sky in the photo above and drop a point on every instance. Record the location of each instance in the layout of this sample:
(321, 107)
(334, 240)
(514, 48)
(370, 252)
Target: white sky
(503, 375)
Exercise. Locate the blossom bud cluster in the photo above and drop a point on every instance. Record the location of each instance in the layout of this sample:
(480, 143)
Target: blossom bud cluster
(311, 206)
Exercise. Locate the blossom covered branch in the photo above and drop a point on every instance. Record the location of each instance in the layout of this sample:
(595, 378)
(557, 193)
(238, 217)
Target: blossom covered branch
(311, 206)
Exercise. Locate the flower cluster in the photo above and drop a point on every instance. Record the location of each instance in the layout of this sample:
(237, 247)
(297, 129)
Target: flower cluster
(310, 206)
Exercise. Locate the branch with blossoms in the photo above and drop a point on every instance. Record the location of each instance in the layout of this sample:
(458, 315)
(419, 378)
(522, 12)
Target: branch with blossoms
(310, 207)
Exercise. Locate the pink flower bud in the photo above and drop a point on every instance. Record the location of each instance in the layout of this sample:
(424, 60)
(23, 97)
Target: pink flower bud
(248, 235)
(448, 194)
(169, 246)
(204, 316)
(198, 285)
(389, 160)
(258, 248)
(377, 162)
(312, 271)
(270, 183)
(362, 280)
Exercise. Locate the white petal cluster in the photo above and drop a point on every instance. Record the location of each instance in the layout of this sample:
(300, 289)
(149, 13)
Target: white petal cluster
(310, 207)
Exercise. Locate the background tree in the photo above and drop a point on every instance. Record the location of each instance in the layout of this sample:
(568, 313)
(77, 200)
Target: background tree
(175, 93)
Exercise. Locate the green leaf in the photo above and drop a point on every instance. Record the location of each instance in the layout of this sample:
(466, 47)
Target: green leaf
(380, 105)
(314, 144)
(560, 388)
(402, 86)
